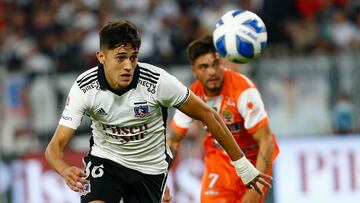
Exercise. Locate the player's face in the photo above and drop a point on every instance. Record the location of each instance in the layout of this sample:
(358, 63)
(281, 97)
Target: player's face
(209, 71)
(119, 65)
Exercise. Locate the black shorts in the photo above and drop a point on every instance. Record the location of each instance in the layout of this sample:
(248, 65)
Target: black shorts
(114, 183)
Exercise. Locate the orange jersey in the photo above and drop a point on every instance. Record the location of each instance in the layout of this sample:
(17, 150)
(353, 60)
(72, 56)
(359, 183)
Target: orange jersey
(242, 109)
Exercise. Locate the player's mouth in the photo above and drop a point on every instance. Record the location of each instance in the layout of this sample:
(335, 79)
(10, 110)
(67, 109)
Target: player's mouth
(213, 81)
(126, 77)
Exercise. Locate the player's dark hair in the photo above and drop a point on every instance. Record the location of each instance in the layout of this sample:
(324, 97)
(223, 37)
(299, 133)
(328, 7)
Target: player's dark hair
(117, 33)
(200, 47)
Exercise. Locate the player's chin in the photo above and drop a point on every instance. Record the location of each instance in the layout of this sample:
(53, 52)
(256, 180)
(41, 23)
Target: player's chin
(124, 83)
(213, 87)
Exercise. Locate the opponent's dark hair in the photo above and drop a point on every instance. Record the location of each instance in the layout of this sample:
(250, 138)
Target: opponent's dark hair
(117, 33)
(200, 47)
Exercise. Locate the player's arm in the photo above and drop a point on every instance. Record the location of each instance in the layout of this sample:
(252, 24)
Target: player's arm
(174, 141)
(197, 109)
(263, 137)
(179, 126)
(54, 155)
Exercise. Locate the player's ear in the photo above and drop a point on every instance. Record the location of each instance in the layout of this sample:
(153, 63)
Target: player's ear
(193, 69)
(100, 56)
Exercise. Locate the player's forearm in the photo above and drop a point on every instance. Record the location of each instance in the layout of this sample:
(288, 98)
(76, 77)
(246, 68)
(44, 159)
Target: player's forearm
(174, 147)
(174, 141)
(54, 156)
(266, 150)
(222, 134)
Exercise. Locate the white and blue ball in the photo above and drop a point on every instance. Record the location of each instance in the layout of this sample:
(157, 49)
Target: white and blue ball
(240, 36)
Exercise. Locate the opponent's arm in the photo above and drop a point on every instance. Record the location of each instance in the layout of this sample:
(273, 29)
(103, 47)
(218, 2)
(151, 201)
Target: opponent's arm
(54, 155)
(264, 158)
(197, 109)
(266, 148)
(174, 141)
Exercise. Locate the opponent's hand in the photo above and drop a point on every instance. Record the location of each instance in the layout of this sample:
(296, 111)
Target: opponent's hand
(74, 178)
(167, 197)
(259, 182)
(250, 196)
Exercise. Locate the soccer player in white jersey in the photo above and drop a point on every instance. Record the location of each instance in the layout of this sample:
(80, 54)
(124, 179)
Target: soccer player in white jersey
(127, 100)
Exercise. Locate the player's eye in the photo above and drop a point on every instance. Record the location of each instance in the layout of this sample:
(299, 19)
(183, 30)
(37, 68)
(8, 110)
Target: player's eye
(133, 58)
(121, 58)
(203, 67)
(216, 63)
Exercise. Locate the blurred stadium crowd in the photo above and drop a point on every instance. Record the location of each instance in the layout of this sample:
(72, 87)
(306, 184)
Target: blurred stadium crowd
(309, 74)
(61, 36)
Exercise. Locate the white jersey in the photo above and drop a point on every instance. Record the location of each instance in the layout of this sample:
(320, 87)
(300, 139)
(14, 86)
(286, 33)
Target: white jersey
(128, 126)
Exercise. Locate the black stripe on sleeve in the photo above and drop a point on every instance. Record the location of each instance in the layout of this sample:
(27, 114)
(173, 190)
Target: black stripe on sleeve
(88, 82)
(148, 79)
(147, 70)
(149, 75)
(87, 76)
(183, 100)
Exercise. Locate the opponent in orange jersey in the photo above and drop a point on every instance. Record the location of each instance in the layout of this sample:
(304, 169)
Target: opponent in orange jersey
(236, 98)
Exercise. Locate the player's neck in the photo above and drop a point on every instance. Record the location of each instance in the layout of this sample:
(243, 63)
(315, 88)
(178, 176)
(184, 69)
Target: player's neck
(114, 84)
(212, 93)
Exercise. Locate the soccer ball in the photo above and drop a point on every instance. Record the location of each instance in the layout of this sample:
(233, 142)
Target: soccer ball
(240, 36)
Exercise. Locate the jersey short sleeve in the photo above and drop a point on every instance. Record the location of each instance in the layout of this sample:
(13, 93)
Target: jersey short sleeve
(74, 108)
(171, 92)
(251, 108)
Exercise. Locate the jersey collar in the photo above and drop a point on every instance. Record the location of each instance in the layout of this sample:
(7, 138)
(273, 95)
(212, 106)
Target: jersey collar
(104, 85)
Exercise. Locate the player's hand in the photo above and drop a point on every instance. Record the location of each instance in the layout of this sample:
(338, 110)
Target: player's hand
(260, 181)
(167, 197)
(74, 178)
(251, 196)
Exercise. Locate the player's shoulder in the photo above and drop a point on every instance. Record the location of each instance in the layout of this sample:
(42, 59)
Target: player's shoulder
(196, 87)
(88, 79)
(84, 76)
(146, 67)
(149, 71)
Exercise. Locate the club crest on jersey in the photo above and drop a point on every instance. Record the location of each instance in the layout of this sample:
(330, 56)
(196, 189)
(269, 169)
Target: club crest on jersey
(141, 111)
(227, 116)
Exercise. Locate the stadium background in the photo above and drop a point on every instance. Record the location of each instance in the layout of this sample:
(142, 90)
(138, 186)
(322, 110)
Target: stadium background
(309, 77)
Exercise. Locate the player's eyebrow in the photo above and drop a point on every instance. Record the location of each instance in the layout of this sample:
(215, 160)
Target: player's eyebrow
(125, 53)
(120, 53)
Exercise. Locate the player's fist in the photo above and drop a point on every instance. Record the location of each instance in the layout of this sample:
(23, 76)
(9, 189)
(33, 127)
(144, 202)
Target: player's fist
(74, 178)
(259, 182)
(250, 176)
(167, 197)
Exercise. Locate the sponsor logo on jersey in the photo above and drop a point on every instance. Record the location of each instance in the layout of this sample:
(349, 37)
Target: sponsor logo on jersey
(101, 112)
(125, 134)
(150, 86)
(67, 118)
(141, 111)
(89, 81)
(148, 79)
(234, 127)
(94, 84)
